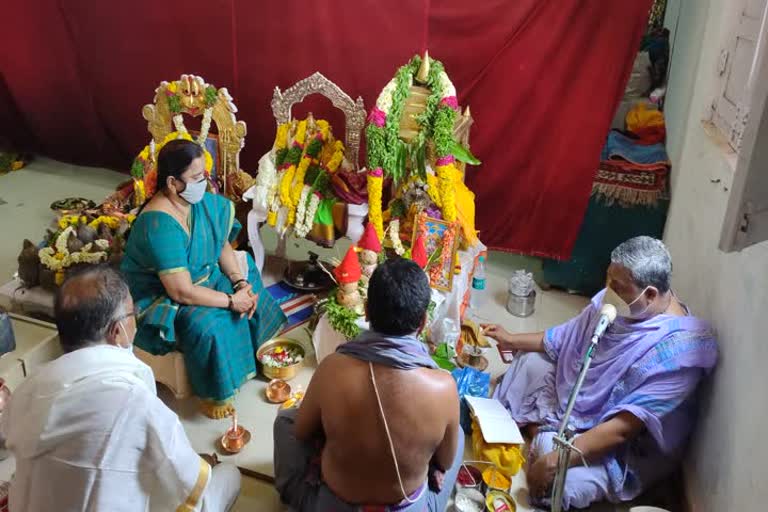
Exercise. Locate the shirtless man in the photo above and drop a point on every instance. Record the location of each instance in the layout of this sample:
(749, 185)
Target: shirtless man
(379, 425)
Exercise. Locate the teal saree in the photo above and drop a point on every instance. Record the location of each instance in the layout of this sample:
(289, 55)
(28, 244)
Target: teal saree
(218, 346)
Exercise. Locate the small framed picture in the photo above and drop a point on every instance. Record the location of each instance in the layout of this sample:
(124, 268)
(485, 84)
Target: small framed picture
(441, 243)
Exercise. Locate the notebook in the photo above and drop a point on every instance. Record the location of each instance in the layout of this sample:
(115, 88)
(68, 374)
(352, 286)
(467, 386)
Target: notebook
(495, 422)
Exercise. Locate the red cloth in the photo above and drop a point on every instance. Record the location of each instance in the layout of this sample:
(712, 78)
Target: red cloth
(542, 79)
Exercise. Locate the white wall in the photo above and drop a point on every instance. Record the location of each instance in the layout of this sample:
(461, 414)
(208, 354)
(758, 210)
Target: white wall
(725, 470)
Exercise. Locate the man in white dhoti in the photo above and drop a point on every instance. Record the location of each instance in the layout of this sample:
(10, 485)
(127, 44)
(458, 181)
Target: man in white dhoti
(88, 431)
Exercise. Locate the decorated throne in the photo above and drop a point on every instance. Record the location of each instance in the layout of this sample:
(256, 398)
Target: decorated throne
(309, 183)
(220, 134)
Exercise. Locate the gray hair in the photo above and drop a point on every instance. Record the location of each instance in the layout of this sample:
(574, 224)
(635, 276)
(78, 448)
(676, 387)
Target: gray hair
(647, 260)
(87, 305)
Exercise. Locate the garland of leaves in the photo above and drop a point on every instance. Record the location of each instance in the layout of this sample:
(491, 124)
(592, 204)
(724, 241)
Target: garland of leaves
(385, 148)
(210, 95)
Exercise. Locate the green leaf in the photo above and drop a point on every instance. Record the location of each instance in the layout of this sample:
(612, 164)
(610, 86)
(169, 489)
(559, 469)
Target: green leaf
(174, 104)
(401, 162)
(137, 169)
(421, 161)
(280, 157)
(462, 154)
(211, 94)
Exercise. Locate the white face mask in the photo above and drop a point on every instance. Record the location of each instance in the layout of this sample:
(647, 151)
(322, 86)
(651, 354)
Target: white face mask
(194, 192)
(623, 309)
(129, 348)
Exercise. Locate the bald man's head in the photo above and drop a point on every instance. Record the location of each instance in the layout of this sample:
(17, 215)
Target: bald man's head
(87, 305)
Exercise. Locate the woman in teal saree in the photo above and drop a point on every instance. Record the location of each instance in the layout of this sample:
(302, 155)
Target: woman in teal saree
(188, 287)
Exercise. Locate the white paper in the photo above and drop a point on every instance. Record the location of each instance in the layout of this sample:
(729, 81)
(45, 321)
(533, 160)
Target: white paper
(496, 424)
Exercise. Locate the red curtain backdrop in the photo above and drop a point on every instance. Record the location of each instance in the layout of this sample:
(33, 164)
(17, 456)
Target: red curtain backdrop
(542, 78)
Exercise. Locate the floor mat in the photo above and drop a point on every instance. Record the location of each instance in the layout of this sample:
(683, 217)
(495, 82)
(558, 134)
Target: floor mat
(298, 306)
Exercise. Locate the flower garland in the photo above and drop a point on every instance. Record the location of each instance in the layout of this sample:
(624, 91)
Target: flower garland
(382, 133)
(309, 157)
(58, 258)
(387, 152)
(304, 226)
(144, 180)
(291, 161)
(446, 171)
(301, 212)
(375, 183)
(338, 156)
(394, 237)
(205, 126)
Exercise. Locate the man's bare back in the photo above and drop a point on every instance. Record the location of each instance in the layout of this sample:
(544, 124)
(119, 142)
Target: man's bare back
(422, 411)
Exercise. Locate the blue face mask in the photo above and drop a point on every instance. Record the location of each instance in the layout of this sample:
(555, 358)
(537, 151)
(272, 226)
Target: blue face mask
(194, 192)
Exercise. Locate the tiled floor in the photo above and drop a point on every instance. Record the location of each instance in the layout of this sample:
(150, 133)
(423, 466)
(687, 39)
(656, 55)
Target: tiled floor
(24, 199)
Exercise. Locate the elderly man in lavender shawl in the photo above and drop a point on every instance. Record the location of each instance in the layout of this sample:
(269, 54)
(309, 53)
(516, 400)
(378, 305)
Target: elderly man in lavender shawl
(635, 409)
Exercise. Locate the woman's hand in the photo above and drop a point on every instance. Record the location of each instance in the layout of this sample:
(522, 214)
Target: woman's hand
(498, 333)
(244, 302)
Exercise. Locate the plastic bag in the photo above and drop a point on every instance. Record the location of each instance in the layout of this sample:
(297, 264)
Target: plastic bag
(470, 382)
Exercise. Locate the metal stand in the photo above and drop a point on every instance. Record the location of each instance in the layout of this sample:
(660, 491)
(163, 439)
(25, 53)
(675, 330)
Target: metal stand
(563, 441)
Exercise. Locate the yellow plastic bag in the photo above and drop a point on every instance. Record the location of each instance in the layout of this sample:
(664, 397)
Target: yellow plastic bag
(507, 457)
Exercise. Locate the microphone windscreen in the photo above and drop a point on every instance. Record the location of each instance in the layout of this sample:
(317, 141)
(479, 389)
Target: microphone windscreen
(609, 310)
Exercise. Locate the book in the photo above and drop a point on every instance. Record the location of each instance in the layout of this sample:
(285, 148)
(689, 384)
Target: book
(496, 424)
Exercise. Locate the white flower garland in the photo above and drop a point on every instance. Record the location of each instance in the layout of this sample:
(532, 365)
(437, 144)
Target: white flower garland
(394, 236)
(48, 254)
(301, 211)
(205, 126)
(305, 217)
(61, 241)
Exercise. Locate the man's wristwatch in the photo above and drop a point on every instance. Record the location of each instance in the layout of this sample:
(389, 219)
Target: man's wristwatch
(239, 284)
(231, 305)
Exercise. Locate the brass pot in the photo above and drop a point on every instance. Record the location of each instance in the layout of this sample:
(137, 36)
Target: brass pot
(282, 372)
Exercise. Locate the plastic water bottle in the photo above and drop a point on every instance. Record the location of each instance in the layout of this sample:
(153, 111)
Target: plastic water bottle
(477, 295)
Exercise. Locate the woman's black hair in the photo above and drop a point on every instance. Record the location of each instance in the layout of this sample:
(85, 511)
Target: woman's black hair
(174, 159)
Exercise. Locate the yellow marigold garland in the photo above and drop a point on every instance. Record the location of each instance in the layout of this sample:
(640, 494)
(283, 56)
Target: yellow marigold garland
(375, 184)
(445, 175)
(434, 190)
(324, 128)
(281, 137)
(139, 192)
(337, 158)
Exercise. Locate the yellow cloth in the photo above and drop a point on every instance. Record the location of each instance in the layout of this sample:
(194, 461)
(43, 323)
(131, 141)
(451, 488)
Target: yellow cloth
(507, 457)
(640, 116)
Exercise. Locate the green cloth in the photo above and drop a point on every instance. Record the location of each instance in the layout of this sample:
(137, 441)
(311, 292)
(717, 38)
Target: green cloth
(218, 346)
(603, 229)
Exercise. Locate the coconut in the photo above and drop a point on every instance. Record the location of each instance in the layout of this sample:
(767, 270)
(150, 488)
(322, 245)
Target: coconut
(29, 265)
(73, 244)
(86, 233)
(105, 233)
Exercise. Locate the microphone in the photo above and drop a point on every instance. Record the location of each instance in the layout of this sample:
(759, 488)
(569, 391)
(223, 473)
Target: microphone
(607, 316)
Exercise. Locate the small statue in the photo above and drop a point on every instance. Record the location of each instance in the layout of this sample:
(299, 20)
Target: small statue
(369, 254)
(348, 276)
(29, 265)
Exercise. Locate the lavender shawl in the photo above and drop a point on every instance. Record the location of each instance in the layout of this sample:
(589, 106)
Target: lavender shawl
(399, 352)
(648, 368)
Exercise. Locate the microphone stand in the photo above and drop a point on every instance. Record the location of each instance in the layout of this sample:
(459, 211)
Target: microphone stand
(564, 438)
